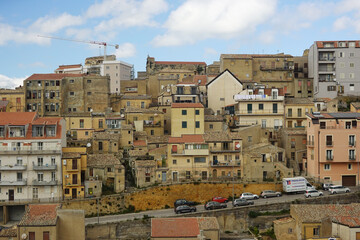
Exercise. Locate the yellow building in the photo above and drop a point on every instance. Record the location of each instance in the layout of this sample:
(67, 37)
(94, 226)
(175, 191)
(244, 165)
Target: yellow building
(225, 155)
(214, 123)
(127, 136)
(188, 158)
(81, 126)
(274, 70)
(74, 161)
(16, 98)
(133, 87)
(118, 102)
(263, 106)
(355, 107)
(187, 118)
(295, 110)
(148, 120)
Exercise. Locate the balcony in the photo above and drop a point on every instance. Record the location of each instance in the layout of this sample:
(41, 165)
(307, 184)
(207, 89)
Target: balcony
(44, 183)
(224, 151)
(45, 167)
(310, 144)
(352, 158)
(26, 151)
(326, 58)
(283, 68)
(352, 144)
(151, 123)
(19, 182)
(225, 164)
(260, 112)
(13, 168)
(329, 143)
(330, 158)
(71, 168)
(192, 152)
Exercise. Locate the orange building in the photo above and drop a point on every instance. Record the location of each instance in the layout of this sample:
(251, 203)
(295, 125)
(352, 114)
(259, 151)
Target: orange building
(331, 147)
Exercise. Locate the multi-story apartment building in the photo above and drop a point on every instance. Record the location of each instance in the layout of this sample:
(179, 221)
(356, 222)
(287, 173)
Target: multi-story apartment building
(263, 106)
(188, 158)
(74, 162)
(148, 120)
(15, 98)
(334, 67)
(295, 111)
(331, 147)
(187, 118)
(30, 154)
(270, 70)
(120, 102)
(59, 94)
(303, 85)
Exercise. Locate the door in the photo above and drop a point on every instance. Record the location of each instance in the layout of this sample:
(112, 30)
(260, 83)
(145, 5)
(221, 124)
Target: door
(214, 173)
(31, 235)
(11, 194)
(163, 176)
(349, 180)
(249, 108)
(46, 235)
(175, 176)
(73, 195)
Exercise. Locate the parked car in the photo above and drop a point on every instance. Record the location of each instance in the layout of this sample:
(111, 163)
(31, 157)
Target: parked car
(325, 186)
(248, 195)
(270, 193)
(338, 189)
(220, 199)
(180, 202)
(184, 209)
(313, 193)
(242, 202)
(214, 205)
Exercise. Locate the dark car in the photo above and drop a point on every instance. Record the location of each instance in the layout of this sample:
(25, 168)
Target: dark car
(220, 199)
(242, 202)
(214, 205)
(184, 209)
(180, 202)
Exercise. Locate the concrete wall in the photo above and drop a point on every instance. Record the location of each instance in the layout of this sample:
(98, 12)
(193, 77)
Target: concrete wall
(71, 224)
(15, 213)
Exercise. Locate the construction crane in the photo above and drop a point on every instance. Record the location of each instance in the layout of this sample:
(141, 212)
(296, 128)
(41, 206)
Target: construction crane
(83, 41)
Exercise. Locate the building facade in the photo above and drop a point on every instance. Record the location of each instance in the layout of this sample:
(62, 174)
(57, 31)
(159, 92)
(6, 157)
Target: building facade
(30, 154)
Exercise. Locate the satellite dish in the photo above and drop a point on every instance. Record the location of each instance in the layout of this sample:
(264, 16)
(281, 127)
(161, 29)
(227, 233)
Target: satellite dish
(23, 236)
(88, 144)
(122, 115)
(238, 146)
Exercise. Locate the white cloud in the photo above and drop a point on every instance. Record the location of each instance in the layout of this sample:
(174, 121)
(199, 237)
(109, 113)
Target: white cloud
(342, 23)
(196, 20)
(210, 52)
(126, 13)
(125, 50)
(49, 24)
(32, 65)
(7, 82)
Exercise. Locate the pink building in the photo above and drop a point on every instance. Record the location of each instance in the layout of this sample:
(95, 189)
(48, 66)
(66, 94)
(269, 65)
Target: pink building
(331, 147)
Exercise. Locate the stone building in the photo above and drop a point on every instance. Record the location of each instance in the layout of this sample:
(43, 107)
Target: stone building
(148, 120)
(15, 98)
(60, 94)
(144, 171)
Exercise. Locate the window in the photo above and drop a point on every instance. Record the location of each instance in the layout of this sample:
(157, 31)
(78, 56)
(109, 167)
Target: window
(74, 164)
(19, 176)
(100, 146)
(351, 140)
(174, 161)
(53, 176)
(329, 141)
(329, 155)
(352, 154)
(187, 174)
(342, 75)
(331, 88)
(74, 179)
(249, 108)
(348, 125)
(249, 138)
(351, 75)
(19, 161)
(290, 112)
(71, 93)
(183, 112)
(352, 87)
(342, 64)
(81, 123)
(200, 160)
(19, 189)
(327, 167)
(152, 132)
(67, 190)
(197, 124)
(292, 143)
(211, 126)
(275, 108)
(46, 235)
(290, 230)
(88, 93)
(261, 106)
(299, 112)
(142, 104)
(40, 177)
(101, 123)
(53, 161)
(184, 124)
(40, 161)
(351, 44)
(263, 157)
(341, 54)
(352, 54)
(109, 169)
(71, 80)
(352, 65)
(88, 81)
(128, 104)
(322, 125)
(316, 231)
(349, 166)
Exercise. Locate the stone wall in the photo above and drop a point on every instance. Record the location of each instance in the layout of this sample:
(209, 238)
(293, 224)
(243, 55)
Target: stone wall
(161, 197)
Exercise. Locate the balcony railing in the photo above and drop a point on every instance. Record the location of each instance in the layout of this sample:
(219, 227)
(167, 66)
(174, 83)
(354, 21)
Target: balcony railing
(259, 112)
(14, 167)
(330, 158)
(225, 164)
(329, 143)
(151, 123)
(44, 183)
(45, 167)
(23, 150)
(195, 152)
(310, 144)
(21, 182)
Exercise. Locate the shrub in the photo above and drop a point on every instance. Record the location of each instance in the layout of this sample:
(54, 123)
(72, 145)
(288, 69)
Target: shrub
(253, 214)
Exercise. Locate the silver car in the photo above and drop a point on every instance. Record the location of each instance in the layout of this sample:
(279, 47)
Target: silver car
(338, 189)
(248, 196)
(270, 193)
(313, 193)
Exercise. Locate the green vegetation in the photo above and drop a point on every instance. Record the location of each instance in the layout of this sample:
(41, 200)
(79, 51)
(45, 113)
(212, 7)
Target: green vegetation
(254, 214)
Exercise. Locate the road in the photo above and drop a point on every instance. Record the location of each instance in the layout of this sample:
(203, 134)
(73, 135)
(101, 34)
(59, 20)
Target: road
(170, 212)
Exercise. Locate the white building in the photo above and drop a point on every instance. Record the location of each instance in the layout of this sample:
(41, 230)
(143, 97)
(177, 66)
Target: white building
(30, 156)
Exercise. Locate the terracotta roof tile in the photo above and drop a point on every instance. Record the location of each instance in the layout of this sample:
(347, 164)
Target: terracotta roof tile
(17, 118)
(169, 62)
(69, 66)
(102, 160)
(350, 221)
(187, 105)
(356, 105)
(140, 143)
(52, 76)
(158, 139)
(190, 138)
(217, 137)
(40, 215)
(9, 232)
(249, 56)
(174, 227)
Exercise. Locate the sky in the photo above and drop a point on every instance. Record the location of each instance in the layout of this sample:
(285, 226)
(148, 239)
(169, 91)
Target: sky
(168, 30)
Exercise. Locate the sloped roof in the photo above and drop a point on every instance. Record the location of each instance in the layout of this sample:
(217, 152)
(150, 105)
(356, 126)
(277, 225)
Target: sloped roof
(69, 66)
(133, 97)
(9, 232)
(139, 143)
(249, 56)
(158, 139)
(218, 76)
(17, 118)
(142, 110)
(174, 227)
(52, 76)
(169, 62)
(40, 215)
(350, 221)
(299, 101)
(356, 105)
(213, 118)
(187, 105)
(217, 137)
(102, 160)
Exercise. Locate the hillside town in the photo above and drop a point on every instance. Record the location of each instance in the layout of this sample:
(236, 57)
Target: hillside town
(97, 151)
